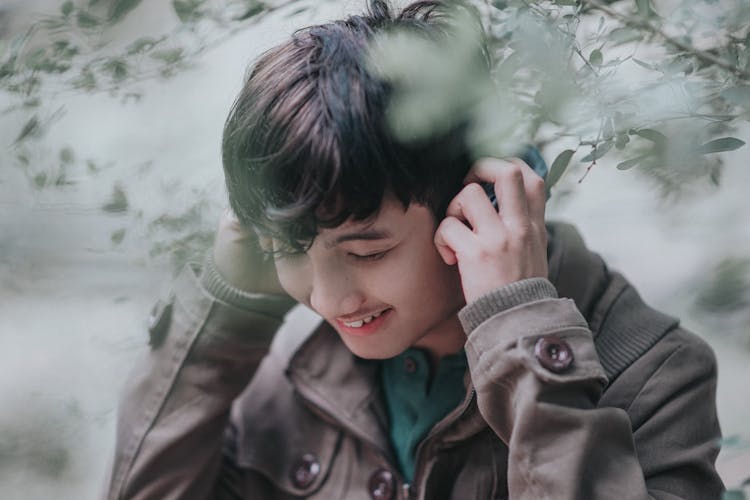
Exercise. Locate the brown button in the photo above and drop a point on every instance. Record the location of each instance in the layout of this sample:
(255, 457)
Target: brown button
(410, 365)
(553, 353)
(381, 485)
(305, 470)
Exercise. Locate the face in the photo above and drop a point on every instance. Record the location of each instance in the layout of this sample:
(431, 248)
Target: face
(380, 283)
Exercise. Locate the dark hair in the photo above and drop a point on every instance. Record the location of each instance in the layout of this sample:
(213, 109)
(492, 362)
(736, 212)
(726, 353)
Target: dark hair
(306, 144)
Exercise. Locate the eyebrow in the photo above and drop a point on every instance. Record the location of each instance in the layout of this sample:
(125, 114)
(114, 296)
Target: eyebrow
(367, 235)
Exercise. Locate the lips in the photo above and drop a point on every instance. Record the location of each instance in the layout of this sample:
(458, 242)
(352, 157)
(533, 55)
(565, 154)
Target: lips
(364, 325)
(358, 323)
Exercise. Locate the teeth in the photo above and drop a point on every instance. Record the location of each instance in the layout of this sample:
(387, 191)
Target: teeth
(360, 322)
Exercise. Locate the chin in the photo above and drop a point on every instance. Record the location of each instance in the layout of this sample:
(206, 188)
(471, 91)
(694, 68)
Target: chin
(372, 347)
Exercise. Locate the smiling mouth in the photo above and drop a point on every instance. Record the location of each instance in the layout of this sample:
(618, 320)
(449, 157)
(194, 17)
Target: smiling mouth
(364, 326)
(363, 321)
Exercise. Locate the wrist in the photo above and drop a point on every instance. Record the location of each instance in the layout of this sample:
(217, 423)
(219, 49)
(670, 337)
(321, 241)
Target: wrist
(503, 298)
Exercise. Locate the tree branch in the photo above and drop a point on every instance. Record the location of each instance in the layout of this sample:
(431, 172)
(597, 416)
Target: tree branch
(647, 25)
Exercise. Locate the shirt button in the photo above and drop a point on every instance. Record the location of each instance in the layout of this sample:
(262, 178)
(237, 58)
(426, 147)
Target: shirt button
(553, 353)
(410, 365)
(381, 485)
(305, 470)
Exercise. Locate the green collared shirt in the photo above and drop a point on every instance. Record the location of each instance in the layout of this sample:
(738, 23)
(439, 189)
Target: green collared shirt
(416, 402)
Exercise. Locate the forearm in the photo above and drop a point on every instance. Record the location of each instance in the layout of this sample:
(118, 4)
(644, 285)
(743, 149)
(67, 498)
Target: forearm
(176, 404)
(563, 443)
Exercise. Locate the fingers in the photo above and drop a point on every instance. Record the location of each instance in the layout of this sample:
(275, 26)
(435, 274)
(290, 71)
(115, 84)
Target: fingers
(472, 205)
(520, 191)
(452, 237)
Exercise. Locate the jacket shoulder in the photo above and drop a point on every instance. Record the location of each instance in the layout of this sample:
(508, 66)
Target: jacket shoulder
(678, 360)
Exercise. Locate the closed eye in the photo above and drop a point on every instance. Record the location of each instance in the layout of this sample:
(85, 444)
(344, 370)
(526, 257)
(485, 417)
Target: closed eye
(369, 257)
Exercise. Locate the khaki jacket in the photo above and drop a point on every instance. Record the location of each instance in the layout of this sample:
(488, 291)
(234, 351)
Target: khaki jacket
(574, 391)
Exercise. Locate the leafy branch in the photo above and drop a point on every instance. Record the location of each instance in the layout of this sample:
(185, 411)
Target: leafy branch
(643, 23)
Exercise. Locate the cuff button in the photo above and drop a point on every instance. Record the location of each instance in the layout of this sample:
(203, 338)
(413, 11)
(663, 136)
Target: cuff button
(553, 353)
(305, 471)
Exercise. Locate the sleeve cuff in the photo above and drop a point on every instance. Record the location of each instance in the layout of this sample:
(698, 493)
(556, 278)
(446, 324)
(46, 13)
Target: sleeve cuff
(212, 281)
(503, 298)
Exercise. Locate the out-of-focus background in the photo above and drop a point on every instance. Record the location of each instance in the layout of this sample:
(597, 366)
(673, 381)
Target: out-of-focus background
(117, 188)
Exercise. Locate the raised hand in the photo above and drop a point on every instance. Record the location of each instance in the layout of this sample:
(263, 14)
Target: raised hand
(495, 248)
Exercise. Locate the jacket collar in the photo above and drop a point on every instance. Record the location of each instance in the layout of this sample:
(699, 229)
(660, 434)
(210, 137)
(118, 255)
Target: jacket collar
(346, 389)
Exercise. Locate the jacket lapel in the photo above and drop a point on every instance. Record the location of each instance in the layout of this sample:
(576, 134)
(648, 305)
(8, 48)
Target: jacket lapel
(342, 387)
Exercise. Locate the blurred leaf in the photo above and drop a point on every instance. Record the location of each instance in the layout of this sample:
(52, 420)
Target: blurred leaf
(644, 64)
(169, 56)
(67, 8)
(559, 165)
(728, 288)
(67, 156)
(566, 2)
(254, 8)
(36, 59)
(187, 10)
(596, 58)
(85, 81)
(599, 151)
(40, 179)
(141, 45)
(87, 20)
(714, 174)
(652, 135)
(297, 12)
(624, 35)
(92, 167)
(117, 68)
(118, 236)
(621, 140)
(120, 8)
(62, 178)
(30, 129)
(118, 201)
(628, 164)
(720, 145)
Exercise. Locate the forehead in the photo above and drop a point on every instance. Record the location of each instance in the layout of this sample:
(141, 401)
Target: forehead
(391, 220)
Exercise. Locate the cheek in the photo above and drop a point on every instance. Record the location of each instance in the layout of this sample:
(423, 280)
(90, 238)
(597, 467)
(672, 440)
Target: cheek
(423, 278)
(294, 279)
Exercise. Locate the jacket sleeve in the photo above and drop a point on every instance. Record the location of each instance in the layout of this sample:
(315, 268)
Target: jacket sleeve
(206, 343)
(654, 435)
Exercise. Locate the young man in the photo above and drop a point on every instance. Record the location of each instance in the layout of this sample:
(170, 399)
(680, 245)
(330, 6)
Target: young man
(441, 349)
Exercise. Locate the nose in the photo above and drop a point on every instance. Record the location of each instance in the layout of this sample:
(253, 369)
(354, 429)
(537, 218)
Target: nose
(335, 292)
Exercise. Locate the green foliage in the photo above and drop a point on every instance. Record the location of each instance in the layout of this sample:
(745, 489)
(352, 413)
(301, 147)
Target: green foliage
(558, 167)
(254, 8)
(188, 10)
(118, 202)
(728, 289)
(542, 78)
(120, 8)
(720, 145)
(562, 76)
